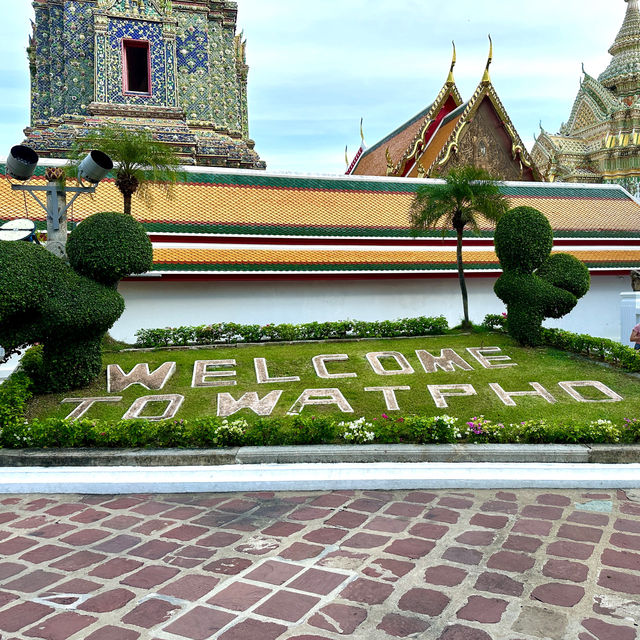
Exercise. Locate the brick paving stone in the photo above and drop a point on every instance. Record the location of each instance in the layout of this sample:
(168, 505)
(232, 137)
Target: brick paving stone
(339, 618)
(387, 525)
(76, 585)
(190, 587)
(89, 515)
(326, 535)
(617, 581)
(506, 495)
(31, 523)
(463, 555)
(626, 525)
(16, 545)
(194, 551)
(428, 530)
(118, 544)
(489, 522)
(274, 572)
(66, 509)
(318, 581)
(407, 510)
(151, 526)
(306, 514)
(477, 538)
(421, 497)
(605, 631)
(621, 559)
(239, 596)
(393, 624)
(8, 569)
(438, 514)
(220, 539)
(579, 534)
(367, 505)
(481, 609)
(511, 561)
(151, 508)
(185, 532)
(410, 548)
(566, 570)
(455, 503)
(347, 519)
(34, 581)
(367, 591)
(121, 522)
(108, 601)
(114, 568)
(425, 601)
(52, 530)
(388, 569)
(77, 561)
(149, 577)
(586, 517)
(113, 633)
(573, 550)
(228, 566)
(499, 506)
(499, 583)
(254, 629)
(22, 614)
(562, 595)
(625, 541)
(182, 513)
(6, 598)
(445, 575)
(287, 605)
(329, 500)
(279, 530)
(237, 506)
(365, 541)
(522, 543)
(200, 623)
(553, 499)
(85, 537)
(258, 545)
(154, 550)
(61, 626)
(301, 551)
(533, 527)
(150, 613)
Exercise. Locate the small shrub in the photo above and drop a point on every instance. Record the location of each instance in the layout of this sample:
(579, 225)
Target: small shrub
(357, 431)
(433, 429)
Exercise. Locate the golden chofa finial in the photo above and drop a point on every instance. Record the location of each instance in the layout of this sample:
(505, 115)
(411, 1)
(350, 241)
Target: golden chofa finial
(362, 132)
(486, 77)
(450, 79)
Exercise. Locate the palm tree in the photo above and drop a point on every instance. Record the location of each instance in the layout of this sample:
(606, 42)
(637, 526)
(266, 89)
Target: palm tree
(466, 193)
(139, 159)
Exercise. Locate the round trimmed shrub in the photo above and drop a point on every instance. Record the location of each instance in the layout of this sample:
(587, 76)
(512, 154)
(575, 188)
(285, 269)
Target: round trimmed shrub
(106, 247)
(567, 272)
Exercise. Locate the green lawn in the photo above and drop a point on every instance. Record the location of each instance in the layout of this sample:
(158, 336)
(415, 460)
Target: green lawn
(544, 366)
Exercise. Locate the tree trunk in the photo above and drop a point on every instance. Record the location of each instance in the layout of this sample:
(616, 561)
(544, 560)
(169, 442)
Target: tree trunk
(463, 284)
(127, 186)
(127, 203)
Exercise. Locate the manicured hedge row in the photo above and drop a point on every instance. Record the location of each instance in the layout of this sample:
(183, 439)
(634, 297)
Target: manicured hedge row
(230, 332)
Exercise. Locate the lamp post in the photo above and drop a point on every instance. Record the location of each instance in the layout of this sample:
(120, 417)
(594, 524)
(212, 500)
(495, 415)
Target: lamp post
(21, 164)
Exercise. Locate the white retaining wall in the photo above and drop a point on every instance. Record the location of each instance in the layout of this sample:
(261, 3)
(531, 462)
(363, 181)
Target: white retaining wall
(158, 304)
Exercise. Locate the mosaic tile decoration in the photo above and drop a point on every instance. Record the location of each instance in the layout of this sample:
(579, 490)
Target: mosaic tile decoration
(198, 101)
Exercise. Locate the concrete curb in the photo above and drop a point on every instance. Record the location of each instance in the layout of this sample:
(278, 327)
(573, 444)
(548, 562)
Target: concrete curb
(334, 454)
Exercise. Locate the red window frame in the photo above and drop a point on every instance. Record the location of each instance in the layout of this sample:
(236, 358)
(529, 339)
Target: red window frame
(139, 44)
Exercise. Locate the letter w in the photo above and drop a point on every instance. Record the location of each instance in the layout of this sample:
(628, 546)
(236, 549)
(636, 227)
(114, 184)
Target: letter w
(118, 380)
(228, 405)
(447, 361)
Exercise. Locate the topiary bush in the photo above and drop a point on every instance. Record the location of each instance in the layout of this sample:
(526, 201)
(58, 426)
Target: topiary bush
(68, 309)
(534, 285)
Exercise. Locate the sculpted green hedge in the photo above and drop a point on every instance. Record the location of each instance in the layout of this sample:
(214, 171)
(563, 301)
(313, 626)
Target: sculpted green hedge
(534, 284)
(68, 309)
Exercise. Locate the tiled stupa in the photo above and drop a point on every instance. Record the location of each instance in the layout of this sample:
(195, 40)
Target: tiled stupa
(175, 68)
(601, 140)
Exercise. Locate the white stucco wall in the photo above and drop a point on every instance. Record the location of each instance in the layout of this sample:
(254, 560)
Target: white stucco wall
(164, 304)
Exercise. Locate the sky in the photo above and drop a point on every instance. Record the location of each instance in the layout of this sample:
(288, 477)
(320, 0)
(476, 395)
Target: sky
(316, 68)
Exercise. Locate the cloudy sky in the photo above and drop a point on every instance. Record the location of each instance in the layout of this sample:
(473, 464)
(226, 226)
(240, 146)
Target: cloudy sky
(318, 67)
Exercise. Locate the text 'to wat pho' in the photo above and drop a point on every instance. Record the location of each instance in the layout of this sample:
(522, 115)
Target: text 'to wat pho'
(601, 140)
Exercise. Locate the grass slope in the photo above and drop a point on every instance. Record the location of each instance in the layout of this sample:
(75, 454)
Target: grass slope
(545, 366)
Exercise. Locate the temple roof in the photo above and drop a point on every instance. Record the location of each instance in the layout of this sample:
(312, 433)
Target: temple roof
(625, 66)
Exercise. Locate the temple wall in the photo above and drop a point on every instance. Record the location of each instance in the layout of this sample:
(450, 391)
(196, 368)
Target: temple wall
(172, 304)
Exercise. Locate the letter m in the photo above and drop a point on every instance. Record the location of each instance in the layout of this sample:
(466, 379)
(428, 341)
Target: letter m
(447, 361)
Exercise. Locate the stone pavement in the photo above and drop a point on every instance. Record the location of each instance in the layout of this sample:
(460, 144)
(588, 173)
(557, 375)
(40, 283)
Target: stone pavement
(441, 565)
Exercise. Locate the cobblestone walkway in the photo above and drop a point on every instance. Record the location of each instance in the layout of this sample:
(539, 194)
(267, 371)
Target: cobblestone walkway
(480, 565)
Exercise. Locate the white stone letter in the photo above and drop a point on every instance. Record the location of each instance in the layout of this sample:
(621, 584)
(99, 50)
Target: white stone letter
(228, 405)
(118, 380)
(320, 397)
(569, 387)
(374, 361)
(486, 361)
(135, 410)
(506, 396)
(85, 404)
(389, 394)
(201, 373)
(321, 368)
(447, 361)
(441, 391)
(262, 373)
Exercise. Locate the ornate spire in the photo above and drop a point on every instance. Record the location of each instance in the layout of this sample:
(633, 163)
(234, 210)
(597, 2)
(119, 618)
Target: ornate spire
(450, 79)
(623, 73)
(486, 77)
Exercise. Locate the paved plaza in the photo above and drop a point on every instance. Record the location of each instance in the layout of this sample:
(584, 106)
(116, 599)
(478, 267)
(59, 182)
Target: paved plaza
(441, 565)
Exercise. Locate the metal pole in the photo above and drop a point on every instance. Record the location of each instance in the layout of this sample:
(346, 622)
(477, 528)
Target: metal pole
(56, 213)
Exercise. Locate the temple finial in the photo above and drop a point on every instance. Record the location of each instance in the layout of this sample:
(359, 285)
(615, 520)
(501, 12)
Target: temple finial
(346, 156)
(450, 79)
(486, 77)
(362, 132)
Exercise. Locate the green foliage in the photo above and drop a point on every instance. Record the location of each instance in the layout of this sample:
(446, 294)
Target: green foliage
(229, 332)
(45, 301)
(109, 246)
(495, 321)
(14, 395)
(534, 285)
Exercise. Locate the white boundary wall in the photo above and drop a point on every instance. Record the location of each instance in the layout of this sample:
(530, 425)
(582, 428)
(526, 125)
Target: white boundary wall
(156, 304)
